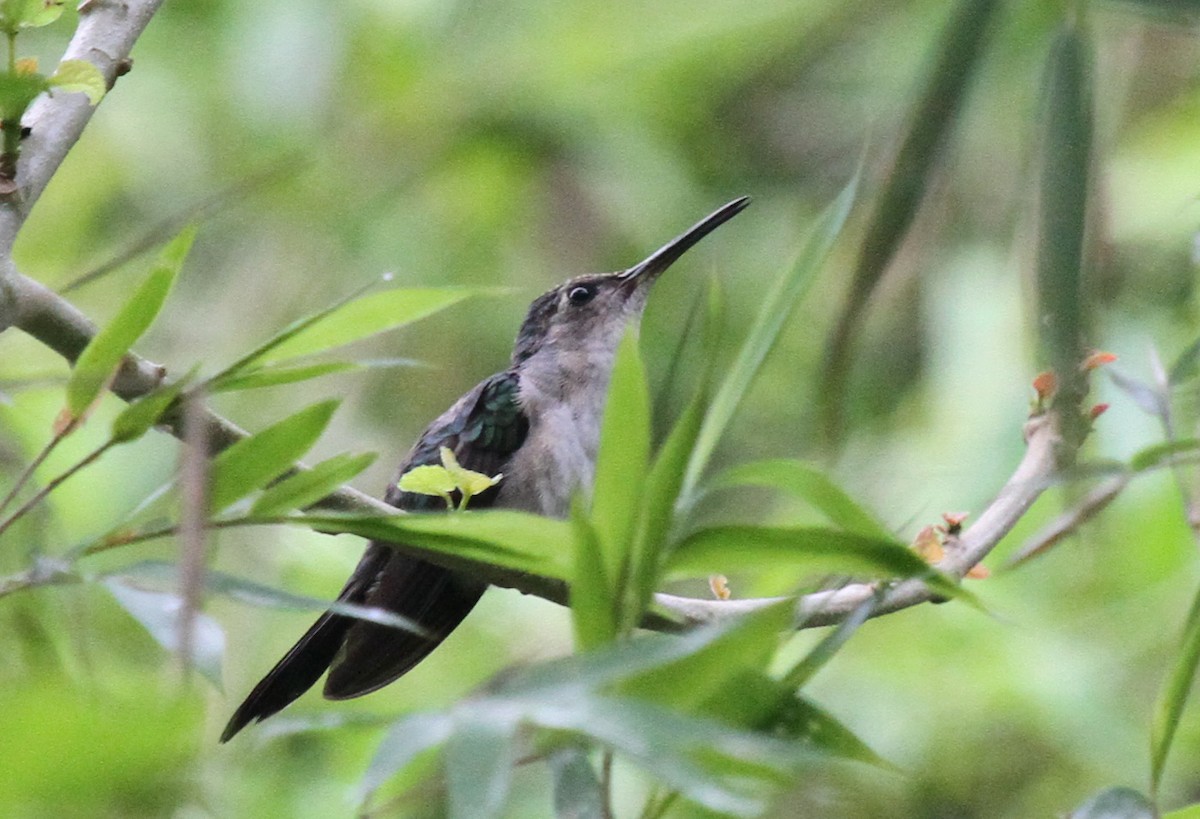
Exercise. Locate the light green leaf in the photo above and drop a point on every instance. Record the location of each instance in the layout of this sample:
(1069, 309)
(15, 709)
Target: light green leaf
(777, 305)
(106, 349)
(515, 540)
(310, 485)
(479, 760)
(79, 76)
(593, 609)
(467, 481)
(159, 613)
(136, 419)
(809, 484)
(1174, 696)
(1189, 812)
(623, 459)
(428, 479)
(274, 376)
(249, 464)
(17, 91)
(17, 14)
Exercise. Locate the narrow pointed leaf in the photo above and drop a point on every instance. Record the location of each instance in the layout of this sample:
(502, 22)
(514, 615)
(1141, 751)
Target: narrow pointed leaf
(823, 652)
(1156, 454)
(104, 352)
(136, 419)
(1148, 399)
(309, 486)
(777, 305)
(1174, 696)
(249, 464)
(1187, 366)
(593, 608)
(159, 613)
(809, 484)
(623, 458)
(515, 540)
(252, 379)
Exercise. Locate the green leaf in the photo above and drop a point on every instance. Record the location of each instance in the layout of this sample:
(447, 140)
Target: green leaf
(79, 76)
(274, 376)
(515, 540)
(104, 352)
(593, 608)
(1187, 366)
(428, 479)
(1116, 803)
(1189, 812)
(407, 739)
(813, 725)
(17, 14)
(308, 486)
(623, 459)
(577, 790)
(777, 305)
(809, 484)
(1174, 696)
(158, 612)
(479, 760)
(811, 550)
(823, 652)
(249, 464)
(1062, 199)
(1154, 455)
(136, 419)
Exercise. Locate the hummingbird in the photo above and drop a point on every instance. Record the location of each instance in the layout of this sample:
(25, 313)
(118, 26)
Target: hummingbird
(538, 423)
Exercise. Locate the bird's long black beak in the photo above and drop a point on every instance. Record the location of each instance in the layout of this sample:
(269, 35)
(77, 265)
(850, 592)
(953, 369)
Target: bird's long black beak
(658, 261)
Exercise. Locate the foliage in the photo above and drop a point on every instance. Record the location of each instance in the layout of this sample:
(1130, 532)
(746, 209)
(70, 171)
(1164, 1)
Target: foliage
(500, 150)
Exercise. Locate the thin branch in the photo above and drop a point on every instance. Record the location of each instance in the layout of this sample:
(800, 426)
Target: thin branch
(1066, 523)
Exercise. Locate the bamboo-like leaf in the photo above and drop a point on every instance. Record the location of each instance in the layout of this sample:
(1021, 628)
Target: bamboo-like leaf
(812, 550)
(777, 305)
(1187, 366)
(814, 660)
(515, 540)
(809, 484)
(1156, 454)
(1174, 696)
(593, 607)
(252, 379)
(1062, 221)
(104, 352)
(623, 459)
(159, 613)
(310, 485)
(251, 462)
(942, 96)
(136, 419)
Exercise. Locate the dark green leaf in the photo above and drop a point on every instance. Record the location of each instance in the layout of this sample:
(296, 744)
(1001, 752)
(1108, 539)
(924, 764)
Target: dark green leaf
(159, 613)
(1062, 200)
(1116, 803)
(593, 609)
(479, 760)
(515, 540)
(809, 484)
(1174, 696)
(623, 458)
(577, 790)
(777, 305)
(310, 485)
(249, 464)
(106, 349)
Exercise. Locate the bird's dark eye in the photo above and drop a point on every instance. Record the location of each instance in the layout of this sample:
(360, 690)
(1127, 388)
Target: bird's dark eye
(581, 294)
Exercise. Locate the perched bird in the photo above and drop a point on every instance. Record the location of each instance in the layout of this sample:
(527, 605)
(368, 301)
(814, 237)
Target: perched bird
(538, 423)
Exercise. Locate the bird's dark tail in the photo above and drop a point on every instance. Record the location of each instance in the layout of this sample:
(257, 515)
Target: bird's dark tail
(364, 656)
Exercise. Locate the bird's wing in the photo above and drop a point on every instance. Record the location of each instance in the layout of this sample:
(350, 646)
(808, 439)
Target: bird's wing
(483, 429)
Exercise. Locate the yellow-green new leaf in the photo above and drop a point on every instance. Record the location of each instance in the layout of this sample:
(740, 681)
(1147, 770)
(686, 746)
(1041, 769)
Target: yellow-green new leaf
(429, 479)
(104, 353)
(467, 481)
(80, 76)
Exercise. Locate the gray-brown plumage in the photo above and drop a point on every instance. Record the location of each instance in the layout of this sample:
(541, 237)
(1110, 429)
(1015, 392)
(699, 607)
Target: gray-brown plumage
(538, 422)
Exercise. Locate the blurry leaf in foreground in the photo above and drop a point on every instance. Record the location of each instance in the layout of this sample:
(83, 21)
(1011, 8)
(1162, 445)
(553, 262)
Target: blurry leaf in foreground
(1145, 396)
(160, 612)
(1187, 366)
(1174, 696)
(248, 464)
(1156, 454)
(577, 790)
(1116, 803)
(479, 760)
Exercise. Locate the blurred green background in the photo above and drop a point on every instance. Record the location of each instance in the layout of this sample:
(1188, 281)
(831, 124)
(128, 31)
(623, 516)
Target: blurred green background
(511, 145)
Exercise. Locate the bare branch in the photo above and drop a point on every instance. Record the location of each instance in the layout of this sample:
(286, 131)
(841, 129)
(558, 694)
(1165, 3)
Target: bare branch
(1066, 523)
